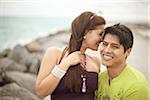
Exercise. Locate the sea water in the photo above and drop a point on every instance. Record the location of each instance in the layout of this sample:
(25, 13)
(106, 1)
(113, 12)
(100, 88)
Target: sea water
(16, 29)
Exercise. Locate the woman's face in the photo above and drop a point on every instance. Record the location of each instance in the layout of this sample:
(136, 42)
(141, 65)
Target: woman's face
(94, 37)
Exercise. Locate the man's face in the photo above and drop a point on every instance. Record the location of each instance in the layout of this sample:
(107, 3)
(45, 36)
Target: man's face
(112, 52)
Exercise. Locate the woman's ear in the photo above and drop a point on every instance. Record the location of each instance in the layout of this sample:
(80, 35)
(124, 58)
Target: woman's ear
(84, 37)
(86, 31)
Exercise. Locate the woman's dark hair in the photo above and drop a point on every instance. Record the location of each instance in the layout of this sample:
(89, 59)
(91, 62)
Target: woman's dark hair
(124, 34)
(84, 22)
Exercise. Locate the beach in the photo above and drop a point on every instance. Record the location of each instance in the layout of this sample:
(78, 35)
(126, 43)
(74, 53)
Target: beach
(19, 66)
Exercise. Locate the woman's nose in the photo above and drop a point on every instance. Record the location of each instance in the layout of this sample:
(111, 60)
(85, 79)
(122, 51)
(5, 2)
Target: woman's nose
(100, 38)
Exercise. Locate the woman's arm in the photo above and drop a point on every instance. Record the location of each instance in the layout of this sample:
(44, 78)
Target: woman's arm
(47, 82)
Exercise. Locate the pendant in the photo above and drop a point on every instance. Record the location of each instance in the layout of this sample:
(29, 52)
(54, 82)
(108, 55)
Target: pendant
(83, 83)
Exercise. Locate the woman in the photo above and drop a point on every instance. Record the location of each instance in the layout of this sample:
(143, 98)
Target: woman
(70, 74)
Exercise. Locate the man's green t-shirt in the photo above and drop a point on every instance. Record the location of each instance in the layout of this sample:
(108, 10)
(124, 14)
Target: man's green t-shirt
(129, 85)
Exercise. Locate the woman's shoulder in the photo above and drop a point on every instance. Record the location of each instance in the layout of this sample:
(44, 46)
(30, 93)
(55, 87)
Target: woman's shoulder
(54, 50)
(96, 60)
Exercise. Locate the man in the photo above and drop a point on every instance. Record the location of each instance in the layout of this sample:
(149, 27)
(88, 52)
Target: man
(120, 81)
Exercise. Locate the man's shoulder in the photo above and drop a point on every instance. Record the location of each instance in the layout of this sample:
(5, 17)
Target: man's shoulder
(134, 72)
(135, 76)
(136, 83)
(103, 74)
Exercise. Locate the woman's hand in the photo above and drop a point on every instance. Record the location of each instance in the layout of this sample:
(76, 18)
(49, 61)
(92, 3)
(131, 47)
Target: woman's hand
(72, 59)
(75, 58)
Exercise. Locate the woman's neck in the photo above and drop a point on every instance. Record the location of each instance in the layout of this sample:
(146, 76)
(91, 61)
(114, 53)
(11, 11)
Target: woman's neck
(82, 49)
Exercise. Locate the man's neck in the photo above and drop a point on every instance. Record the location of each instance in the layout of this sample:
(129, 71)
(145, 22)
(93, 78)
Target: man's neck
(114, 71)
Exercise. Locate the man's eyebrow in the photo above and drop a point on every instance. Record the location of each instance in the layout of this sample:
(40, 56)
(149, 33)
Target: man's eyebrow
(116, 44)
(111, 43)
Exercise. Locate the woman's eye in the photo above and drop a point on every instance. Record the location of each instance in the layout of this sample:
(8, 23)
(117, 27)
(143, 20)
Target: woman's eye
(101, 34)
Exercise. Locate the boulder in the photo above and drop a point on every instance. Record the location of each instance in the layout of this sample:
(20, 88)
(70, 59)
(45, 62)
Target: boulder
(9, 98)
(13, 91)
(9, 64)
(4, 53)
(34, 47)
(25, 80)
(21, 55)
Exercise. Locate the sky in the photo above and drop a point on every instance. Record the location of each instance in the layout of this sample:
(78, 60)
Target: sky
(110, 9)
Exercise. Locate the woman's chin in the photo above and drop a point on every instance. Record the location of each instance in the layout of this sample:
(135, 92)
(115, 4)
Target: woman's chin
(95, 48)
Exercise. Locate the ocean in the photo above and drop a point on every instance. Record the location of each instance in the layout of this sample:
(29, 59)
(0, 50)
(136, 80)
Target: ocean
(17, 29)
(22, 29)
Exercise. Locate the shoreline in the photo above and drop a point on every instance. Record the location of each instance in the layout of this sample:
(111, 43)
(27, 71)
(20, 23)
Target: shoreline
(141, 32)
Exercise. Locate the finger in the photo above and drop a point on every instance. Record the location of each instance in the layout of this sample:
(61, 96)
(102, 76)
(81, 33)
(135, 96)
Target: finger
(82, 59)
(82, 56)
(79, 52)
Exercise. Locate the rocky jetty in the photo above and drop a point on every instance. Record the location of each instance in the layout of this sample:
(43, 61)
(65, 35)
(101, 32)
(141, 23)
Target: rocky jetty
(19, 66)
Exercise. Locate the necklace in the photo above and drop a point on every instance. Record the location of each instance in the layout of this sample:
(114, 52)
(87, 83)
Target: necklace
(84, 78)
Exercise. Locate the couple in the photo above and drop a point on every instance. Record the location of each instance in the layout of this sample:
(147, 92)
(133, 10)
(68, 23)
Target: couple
(70, 74)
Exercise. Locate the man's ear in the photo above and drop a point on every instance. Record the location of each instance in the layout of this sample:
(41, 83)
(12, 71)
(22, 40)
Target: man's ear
(128, 51)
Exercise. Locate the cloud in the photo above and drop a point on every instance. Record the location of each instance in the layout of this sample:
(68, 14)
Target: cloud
(116, 9)
(45, 7)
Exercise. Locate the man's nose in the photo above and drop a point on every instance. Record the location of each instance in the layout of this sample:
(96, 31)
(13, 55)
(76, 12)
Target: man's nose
(108, 48)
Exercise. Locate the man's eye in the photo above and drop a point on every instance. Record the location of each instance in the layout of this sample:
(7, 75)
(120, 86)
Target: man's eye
(115, 47)
(104, 43)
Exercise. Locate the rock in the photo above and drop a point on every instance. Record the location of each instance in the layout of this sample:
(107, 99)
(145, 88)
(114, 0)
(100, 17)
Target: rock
(14, 92)
(4, 53)
(62, 40)
(34, 65)
(9, 98)
(9, 64)
(35, 62)
(19, 54)
(33, 47)
(22, 56)
(38, 55)
(58, 39)
(25, 80)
